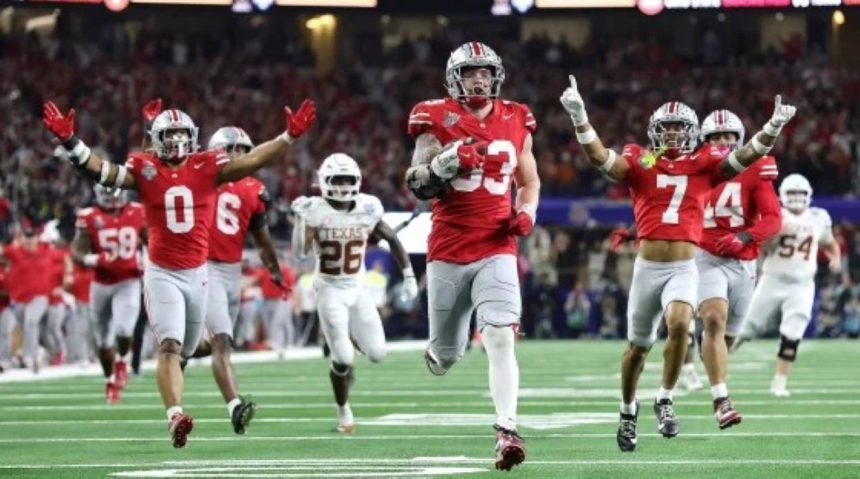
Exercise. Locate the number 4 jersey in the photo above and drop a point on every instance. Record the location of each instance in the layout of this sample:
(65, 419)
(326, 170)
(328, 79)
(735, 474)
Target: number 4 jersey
(468, 221)
(340, 236)
(119, 235)
(795, 255)
(179, 205)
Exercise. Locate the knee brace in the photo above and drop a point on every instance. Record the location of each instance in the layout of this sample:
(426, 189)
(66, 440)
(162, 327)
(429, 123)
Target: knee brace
(787, 349)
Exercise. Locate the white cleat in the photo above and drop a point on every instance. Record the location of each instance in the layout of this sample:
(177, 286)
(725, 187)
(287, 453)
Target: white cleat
(346, 428)
(691, 381)
(345, 421)
(779, 391)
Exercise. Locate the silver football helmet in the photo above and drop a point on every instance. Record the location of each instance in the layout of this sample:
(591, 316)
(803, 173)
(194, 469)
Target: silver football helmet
(339, 178)
(795, 193)
(674, 112)
(723, 121)
(230, 137)
(174, 135)
(472, 55)
(110, 198)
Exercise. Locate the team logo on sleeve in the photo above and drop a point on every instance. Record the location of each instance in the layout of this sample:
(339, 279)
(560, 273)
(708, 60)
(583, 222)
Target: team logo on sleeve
(148, 171)
(450, 119)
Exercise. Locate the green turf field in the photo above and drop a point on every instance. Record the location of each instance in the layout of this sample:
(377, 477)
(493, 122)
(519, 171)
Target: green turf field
(412, 424)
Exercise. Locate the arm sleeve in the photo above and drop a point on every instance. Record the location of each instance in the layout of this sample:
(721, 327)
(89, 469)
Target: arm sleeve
(770, 222)
(420, 120)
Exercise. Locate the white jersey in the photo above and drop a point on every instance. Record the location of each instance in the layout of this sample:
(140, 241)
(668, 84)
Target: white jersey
(795, 254)
(340, 237)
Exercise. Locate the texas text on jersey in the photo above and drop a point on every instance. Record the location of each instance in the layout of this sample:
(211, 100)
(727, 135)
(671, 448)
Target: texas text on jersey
(477, 206)
(747, 202)
(179, 205)
(119, 236)
(237, 203)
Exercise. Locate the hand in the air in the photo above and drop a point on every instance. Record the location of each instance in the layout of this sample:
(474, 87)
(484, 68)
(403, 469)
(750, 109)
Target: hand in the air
(151, 110)
(300, 121)
(782, 113)
(409, 289)
(520, 223)
(730, 244)
(572, 101)
(63, 127)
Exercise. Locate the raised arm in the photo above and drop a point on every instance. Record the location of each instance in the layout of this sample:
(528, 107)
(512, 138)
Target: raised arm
(263, 154)
(87, 162)
(410, 285)
(762, 142)
(149, 112)
(434, 166)
(598, 155)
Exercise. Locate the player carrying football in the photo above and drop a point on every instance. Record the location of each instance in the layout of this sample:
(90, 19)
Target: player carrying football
(177, 186)
(469, 148)
(669, 185)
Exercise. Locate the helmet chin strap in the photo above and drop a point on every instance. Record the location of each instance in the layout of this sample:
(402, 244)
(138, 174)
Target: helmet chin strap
(476, 101)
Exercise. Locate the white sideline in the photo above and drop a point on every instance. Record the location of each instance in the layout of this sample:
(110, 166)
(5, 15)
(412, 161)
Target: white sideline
(238, 357)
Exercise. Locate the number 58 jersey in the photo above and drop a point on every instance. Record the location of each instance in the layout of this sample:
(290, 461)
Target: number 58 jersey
(340, 237)
(469, 220)
(795, 255)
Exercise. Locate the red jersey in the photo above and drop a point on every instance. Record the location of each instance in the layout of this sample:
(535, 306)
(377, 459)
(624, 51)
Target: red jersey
(179, 205)
(26, 273)
(747, 202)
(58, 270)
(83, 277)
(669, 196)
(469, 220)
(272, 290)
(237, 203)
(118, 234)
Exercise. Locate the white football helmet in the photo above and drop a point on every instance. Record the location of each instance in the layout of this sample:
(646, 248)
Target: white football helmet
(339, 178)
(470, 55)
(723, 121)
(168, 148)
(228, 138)
(795, 193)
(674, 112)
(110, 198)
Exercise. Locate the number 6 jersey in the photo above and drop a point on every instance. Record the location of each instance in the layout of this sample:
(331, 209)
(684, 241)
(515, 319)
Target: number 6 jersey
(795, 254)
(469, 220)
(340, 237)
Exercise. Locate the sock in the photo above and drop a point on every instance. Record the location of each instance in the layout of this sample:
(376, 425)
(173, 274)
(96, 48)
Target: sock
(123, 358)
(504, 373)
(111, 379)
(232, 405)
(344, 414)
(628, 408)
(171, 411)
(664, 393)
(719, 391)
(780, 380)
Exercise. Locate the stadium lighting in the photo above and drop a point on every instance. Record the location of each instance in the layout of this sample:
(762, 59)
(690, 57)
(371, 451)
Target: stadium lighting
(327, 3)
(838, 17)
(321, 22)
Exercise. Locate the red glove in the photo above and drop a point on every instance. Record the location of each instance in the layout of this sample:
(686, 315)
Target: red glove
(62, 127)
(619, 236)
(471, 156)
(299, 122)
(151, 110)
(520, 223)
(730, 245)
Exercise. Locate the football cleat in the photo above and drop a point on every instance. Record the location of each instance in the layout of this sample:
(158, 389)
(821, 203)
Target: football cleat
(180, 427)
(242, 415)
(667, 422)
(112, 393)
(433, 364)
(120, 371)
(510, 449)
(346, 428)
(627, 435)
(691, 380)
(725, 413)
(779, 390)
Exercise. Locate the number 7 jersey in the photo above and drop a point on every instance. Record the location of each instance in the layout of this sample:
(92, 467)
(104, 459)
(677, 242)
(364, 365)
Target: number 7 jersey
(469, 220)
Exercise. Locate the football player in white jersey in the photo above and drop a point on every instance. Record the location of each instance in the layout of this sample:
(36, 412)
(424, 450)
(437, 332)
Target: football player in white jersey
(337, 226)
(787, 284)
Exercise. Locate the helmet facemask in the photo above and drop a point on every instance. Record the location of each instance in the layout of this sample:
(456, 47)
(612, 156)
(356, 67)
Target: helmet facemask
(476, 85)
(176, 144)
(341, 188)
(110, 198)
(796, 200)
(673, 137)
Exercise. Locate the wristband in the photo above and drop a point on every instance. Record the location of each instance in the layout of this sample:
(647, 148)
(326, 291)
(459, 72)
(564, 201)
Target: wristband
(586, 137)
(78, 151)
(610, 160)
(771, 129)
(759, 147)
(104, 173)
(286, 138)
(734, 163)
(531, 210)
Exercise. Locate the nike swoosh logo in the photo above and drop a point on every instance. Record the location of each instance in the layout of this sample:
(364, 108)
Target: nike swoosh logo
(508, 116)
(197, 166)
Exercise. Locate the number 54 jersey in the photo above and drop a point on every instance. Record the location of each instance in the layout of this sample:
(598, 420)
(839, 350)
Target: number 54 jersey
(340, 237)
(795, 255)
(469, 220)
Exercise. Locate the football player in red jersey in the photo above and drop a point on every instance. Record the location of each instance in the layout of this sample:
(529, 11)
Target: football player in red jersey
(61, 278)
(740, 215)
(177, 186)
(240, 208)
(469, 148)
(108, 239)
(669, 185)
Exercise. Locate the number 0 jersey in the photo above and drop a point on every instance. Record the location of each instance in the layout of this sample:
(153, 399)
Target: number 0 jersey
(795, 254)
(469, 220)
(179, 205)
(236, 204)
(119, 235)
(340, 236)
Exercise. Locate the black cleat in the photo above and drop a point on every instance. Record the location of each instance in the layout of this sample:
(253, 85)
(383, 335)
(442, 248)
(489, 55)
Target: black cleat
(627, 431)
(242, 415)
(667, 423)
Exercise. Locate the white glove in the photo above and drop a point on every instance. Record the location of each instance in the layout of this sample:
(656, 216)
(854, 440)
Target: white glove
(301, 205)
(446, 164)
(572, 101)
(409, 288)
(782, 114)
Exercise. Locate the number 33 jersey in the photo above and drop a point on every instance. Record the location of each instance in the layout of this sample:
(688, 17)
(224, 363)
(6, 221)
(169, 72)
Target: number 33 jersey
(795, 253)
(469, 220)
(340, 237)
